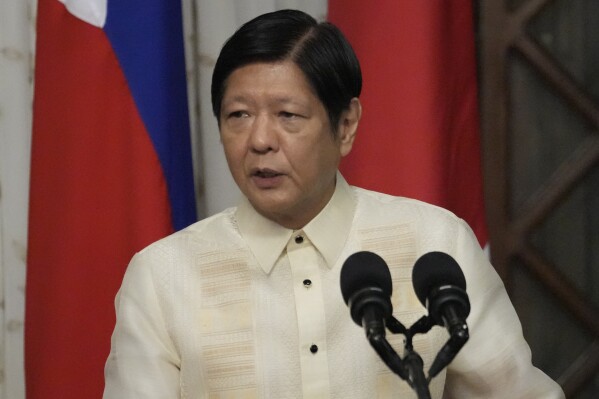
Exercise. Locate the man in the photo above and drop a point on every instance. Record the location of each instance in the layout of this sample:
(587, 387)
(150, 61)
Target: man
(246, 303)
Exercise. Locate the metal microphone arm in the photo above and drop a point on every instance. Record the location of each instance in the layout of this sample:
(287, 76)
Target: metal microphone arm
(459, 337)
(410, 368)
(388, 354)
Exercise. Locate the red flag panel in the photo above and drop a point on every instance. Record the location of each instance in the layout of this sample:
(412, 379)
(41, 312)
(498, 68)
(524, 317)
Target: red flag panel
(419, 135)
(97, 195)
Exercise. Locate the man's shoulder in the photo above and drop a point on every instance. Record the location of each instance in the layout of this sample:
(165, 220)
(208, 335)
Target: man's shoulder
(210, 233)
(373, 204)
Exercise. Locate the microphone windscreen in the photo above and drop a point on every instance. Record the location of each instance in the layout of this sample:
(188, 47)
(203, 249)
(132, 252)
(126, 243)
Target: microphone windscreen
(436, 269)
(362, 270)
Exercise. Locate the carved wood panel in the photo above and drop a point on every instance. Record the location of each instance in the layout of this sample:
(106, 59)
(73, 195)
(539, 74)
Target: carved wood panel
(540, 125)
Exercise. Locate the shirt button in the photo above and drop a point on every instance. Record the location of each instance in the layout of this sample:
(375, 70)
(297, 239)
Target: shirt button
(299, 239)
(307, 283)
(313, 348)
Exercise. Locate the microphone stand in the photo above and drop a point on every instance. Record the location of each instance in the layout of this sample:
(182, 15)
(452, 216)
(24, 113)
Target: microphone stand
(413, 361)
(410, 368)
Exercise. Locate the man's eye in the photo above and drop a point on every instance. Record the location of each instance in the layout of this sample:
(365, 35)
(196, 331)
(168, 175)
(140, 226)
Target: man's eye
(287, 115)
(238, 114)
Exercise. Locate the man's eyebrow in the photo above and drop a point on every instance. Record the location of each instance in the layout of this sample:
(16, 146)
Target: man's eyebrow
(283, 99)
(238, 97)
(290, 100)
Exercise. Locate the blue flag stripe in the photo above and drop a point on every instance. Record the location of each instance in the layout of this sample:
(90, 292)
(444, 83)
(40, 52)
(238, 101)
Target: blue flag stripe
(147, 37)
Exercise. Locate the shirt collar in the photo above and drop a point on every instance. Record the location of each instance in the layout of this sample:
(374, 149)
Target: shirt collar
(328, 231)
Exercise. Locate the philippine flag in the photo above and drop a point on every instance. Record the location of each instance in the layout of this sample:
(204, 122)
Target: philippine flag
(111, 172)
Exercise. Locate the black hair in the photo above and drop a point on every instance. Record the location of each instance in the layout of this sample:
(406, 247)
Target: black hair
(319, 49)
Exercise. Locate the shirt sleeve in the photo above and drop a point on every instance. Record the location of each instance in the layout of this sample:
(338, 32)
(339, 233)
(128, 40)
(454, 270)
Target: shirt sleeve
(143, 361)
(496, 361)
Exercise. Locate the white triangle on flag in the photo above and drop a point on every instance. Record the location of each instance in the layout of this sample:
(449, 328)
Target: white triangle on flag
(91, 11)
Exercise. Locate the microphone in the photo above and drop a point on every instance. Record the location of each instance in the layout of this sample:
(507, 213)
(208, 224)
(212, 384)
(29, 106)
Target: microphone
(366, 288)
(440, 286)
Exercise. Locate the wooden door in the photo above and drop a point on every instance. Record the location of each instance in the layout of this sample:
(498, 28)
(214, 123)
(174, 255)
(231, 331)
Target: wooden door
(539, 93)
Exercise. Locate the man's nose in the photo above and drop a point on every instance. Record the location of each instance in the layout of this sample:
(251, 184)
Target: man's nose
(263, 136)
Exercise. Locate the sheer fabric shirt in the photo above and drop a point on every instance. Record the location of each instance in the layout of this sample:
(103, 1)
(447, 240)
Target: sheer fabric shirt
(236, 306)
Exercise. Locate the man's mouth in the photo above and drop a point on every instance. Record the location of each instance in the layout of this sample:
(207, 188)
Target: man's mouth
(267, 178)
(266, 173)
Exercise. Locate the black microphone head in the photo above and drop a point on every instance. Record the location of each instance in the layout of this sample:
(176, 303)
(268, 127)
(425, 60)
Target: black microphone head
(436, 269)
(365, 270)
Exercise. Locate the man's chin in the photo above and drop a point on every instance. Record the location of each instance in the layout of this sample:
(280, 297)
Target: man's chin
(273, 209)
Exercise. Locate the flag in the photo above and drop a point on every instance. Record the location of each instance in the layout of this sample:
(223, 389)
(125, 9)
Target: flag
(111, 172)
(419, 134)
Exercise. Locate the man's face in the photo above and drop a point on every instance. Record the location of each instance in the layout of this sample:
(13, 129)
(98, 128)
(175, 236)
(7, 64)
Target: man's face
(279, 143)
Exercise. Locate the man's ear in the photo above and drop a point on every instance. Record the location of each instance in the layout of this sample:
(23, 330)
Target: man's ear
(348, 126)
